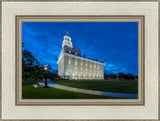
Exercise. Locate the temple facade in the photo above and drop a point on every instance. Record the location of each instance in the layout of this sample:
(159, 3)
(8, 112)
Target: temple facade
(72, 65)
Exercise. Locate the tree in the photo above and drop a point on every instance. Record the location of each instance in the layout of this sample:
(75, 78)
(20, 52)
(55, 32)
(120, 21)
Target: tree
(121, 76)
(130, 76)
(30, 66)
(105, 76)
(112, 76)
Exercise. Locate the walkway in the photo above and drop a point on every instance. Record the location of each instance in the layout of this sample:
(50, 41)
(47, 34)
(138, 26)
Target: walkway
(92, 92)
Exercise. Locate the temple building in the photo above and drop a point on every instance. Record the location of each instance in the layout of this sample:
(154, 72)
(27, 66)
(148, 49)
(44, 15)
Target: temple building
(72, 65)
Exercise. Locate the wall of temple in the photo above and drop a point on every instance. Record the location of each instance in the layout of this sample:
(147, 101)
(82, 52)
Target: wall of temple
(76, 68)
(72, 65)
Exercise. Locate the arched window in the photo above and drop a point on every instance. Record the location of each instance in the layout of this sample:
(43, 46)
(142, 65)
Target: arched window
(69, 62)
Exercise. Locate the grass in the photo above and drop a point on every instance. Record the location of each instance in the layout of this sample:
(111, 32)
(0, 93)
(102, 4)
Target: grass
(124, 86)
(29, 92)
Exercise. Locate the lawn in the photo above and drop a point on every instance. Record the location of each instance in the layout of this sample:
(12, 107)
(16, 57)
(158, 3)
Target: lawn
(29, 92)
(124, 86)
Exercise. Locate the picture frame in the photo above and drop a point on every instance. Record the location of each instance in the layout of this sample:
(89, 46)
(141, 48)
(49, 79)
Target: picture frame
(148, 67)
(20, 19)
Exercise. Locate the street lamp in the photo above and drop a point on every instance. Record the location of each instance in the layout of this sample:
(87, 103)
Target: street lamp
(46, 69)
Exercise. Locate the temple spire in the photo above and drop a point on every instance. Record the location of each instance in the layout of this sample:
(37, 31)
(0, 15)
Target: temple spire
(67, 40)
(67, 33)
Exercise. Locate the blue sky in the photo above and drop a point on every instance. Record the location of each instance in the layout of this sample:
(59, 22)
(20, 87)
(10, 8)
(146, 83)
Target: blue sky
(114, 43)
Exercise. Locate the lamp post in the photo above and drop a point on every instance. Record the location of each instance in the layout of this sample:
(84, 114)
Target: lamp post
(46, 69)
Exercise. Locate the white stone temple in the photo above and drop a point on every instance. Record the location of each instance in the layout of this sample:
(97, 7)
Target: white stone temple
(72, 65)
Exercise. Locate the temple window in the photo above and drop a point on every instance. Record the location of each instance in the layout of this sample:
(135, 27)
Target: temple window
(69, 62)
(75, 53)
(75, 63)
(90, 66)
(81, 64)
(69, 51)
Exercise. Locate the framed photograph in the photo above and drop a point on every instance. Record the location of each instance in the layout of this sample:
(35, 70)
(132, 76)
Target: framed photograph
(80, 60)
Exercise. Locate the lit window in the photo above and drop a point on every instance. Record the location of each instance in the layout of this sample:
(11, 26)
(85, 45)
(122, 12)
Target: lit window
(98, 67)
(75, 53)
(76, 68)
(75, 63)
(81, 69)
(94, 67)
(69, 62)
(69, 51)
(69, 73)
(81, 64)
(75, 73)
(81, 74)
(86, 74)
(86, 65)
(90, 66)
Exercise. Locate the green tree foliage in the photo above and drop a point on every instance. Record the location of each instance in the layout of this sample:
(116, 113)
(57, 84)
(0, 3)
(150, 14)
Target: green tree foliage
(110, 76)
(121, 76)
(31, 68)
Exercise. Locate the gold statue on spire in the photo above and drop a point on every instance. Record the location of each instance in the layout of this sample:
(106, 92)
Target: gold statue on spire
(67, 33)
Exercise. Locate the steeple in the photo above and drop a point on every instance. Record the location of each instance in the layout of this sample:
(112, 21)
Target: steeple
(67, 41)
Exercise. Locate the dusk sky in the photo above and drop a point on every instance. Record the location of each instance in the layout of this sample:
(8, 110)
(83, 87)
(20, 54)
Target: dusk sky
(114, 43)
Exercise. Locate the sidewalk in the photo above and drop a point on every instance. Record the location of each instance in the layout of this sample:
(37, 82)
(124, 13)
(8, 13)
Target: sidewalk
(93, 92)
